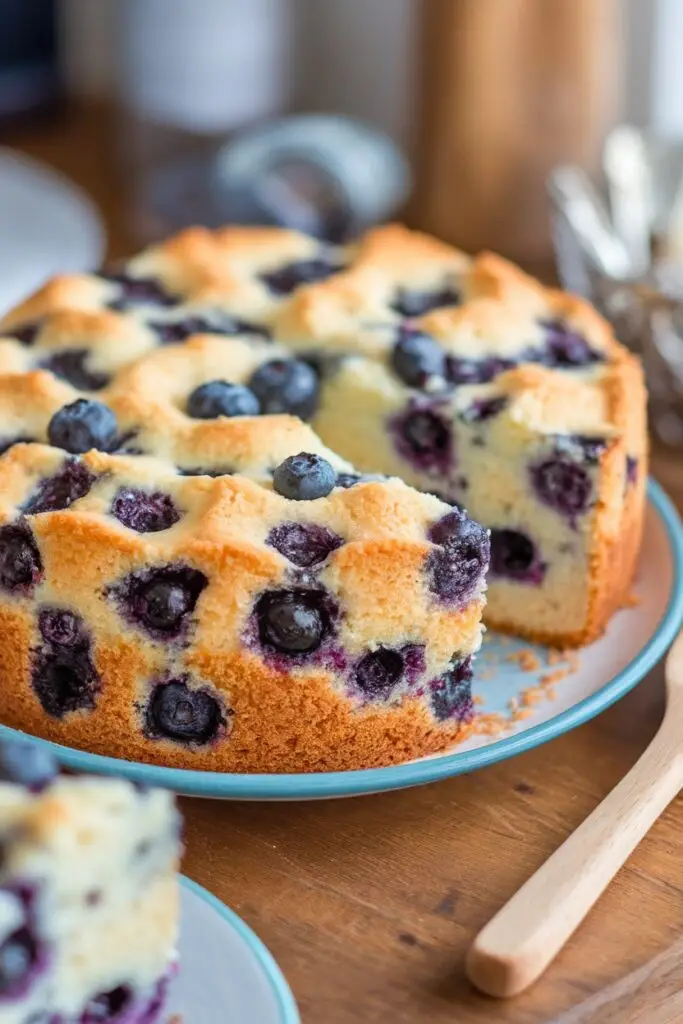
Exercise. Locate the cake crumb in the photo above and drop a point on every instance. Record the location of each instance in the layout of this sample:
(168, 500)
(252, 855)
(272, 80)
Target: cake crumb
(630, 600)
(572, 658)
(563, 655)
(531, 696)
(527, 660)
(492, 725)
(554, 677)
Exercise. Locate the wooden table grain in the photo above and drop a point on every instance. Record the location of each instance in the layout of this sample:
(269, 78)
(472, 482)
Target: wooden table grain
(369, 904)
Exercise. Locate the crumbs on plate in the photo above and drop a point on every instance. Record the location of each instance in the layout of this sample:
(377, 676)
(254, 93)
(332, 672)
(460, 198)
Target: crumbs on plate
(527, 659)
(563, 661)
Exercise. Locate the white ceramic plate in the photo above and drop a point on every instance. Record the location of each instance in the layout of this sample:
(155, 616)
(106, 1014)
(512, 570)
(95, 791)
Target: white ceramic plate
(227, 976)
(49, 226)
(634, 642)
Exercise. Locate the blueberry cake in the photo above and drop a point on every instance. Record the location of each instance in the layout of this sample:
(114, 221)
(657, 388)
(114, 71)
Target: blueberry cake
(232, 526)
(88, 896)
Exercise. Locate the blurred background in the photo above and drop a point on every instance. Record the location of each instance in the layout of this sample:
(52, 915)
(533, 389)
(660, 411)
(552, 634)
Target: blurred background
(124, 120)
(481, 96)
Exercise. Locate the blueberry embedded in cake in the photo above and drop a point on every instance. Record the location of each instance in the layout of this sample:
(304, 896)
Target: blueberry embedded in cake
(516, 403)
(192, 573)
(88, 894)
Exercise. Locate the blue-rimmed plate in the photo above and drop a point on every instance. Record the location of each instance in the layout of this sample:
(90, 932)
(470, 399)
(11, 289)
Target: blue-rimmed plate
(226, 973)
(636, 639)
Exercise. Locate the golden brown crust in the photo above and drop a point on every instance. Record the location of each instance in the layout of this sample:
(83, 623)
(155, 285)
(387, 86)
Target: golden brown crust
(307, 718)
(279, 724)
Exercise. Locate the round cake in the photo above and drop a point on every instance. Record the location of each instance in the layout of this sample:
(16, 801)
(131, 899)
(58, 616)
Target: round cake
(233, 486)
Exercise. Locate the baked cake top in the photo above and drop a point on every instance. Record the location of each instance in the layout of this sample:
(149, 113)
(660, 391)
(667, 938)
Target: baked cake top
(431, 317)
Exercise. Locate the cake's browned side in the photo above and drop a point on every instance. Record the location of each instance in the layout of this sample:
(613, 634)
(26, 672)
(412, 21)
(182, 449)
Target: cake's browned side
(615, 552)
(279, 724)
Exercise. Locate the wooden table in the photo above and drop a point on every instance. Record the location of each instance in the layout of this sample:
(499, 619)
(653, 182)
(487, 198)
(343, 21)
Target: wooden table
(369, 904)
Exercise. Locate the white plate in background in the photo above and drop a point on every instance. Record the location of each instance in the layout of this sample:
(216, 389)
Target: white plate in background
(47, 226)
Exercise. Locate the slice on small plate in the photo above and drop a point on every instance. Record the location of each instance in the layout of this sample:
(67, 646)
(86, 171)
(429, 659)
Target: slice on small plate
(226, 973)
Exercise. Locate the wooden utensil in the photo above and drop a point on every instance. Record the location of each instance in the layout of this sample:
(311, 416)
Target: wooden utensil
(517, 945)
(506, 90)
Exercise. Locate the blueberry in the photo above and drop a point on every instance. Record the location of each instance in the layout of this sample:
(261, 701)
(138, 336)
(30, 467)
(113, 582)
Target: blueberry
(426, 432)
(73, 481)
(83, 425)
(137, 291)
(304, 477)
(378, 672)
(631, 469)
(451, 693)
(161, 600)
(219, 398)
(20, 563)
(71, 365)
(446, 531)
(61, 627)
(165, 605)
(475, 371)
(565, 348)
(285, 279)
(514, 556)
(304, 544)
(26, 333)
(177, 712)
(19, 956)
(411, 303)
(456, 568)
(563, 485)
(417, 357)
(173, 331)
(65, 681)
(483, 409)
(144, 512)
(26, 764)
(424, 438)
(108, 1005)
(286, 386)
(292, 621)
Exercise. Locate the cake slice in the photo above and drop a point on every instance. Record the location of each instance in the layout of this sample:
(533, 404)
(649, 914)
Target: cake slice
(88, 895)
(467, 378)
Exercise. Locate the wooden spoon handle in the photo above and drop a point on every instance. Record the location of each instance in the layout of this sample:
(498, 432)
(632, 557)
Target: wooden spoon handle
(517, 945)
